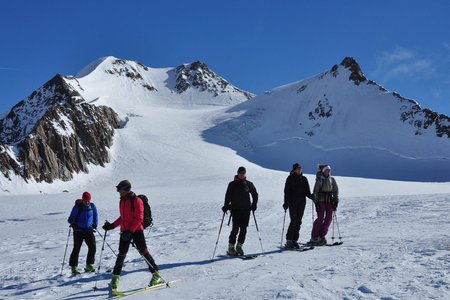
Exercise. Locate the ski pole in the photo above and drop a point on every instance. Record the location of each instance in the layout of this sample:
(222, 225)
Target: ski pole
(312, 211)
(332, 236)
(100, 260)
(337, 225)
(220, 229)
(146, 260)
(257, 230)
(229, 219)
(104, 240)
(282, 231)
(65, 251)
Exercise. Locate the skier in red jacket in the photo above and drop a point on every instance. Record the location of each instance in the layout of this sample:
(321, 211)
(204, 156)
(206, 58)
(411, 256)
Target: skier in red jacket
(131, 232)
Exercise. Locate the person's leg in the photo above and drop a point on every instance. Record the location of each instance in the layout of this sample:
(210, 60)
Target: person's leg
(233, 234)
(89, 238)
(317, 225)
(242, 234)
(141, 246)
(290, 234)
(77, 242)
(328, 219)
(124, 245)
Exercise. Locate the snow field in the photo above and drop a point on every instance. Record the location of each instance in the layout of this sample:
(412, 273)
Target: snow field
(396, 233)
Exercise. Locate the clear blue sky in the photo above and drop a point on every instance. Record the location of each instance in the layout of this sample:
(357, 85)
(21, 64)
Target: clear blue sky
(256, 45)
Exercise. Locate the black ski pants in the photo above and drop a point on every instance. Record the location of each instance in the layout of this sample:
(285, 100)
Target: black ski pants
(78, 238)
(138, 241)
(240, 223)
(296, 210)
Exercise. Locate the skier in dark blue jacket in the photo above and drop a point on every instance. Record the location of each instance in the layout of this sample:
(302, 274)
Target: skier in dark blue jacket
(83, 219)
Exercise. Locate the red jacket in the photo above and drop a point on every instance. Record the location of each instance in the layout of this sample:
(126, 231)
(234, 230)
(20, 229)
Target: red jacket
(130, 220)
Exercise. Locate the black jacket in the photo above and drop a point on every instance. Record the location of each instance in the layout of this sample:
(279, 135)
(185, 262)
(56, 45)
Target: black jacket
(296, 189)
(238, 193)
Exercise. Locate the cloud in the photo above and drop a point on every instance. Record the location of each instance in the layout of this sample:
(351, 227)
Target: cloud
(397, 55)
(412, 69)
(404, 63)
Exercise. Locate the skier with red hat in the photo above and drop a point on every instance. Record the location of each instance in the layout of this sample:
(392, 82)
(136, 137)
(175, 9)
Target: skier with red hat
(83, 219)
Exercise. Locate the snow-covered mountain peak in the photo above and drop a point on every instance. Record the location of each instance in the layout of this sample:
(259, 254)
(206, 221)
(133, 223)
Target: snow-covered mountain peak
(356, 74)
(197, 75)
(341, 117)
(94, 65)
(24, 116)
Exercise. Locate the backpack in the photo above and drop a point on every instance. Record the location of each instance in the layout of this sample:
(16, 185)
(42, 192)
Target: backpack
(148, 220)
(80, 208)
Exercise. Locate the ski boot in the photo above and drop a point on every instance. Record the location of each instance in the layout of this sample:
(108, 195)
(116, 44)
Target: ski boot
(290, 244)
(296, 245)
(323, 241)
(231, 250)
(89, 268)
(239, 250)
(114, 284)
(75, 270)
(315, 241)
(156, 279)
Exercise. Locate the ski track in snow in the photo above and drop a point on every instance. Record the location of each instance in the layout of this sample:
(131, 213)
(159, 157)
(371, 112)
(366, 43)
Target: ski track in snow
(395, 248)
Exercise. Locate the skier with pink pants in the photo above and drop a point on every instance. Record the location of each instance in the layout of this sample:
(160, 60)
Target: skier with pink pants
(326, 194)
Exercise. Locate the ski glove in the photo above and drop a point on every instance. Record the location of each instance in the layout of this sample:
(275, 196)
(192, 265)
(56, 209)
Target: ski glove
(253, 208)
(225, 208)
(108, 226)
(285, 206)
(335, 205)
(126, 235)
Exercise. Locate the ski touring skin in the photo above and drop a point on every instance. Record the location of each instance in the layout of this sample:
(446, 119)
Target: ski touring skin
(243, 257)
(328, 245)
(301, 249)
(163, 285)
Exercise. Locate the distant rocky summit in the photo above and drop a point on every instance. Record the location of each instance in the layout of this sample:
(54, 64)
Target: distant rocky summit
(54, 133)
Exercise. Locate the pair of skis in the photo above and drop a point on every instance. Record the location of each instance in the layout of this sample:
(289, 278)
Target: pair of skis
(329, 245)
(243, 257)
(164, 285)
(301, 249)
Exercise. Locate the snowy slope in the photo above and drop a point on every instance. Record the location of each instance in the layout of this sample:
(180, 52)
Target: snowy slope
(396, 233)
(362, 129)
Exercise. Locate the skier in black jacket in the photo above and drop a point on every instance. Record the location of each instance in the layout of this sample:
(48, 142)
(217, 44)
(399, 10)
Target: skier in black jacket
(296, 190)
(237, 199)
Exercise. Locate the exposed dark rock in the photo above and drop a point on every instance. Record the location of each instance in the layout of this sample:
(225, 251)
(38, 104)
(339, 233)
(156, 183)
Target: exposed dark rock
(198, 75)
(423, 118)
(357, 76)
(123, 68)
(56, 134)
(302, 88)
(7, 163)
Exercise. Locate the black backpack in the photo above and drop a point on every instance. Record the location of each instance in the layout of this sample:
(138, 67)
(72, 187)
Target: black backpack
(148, 220)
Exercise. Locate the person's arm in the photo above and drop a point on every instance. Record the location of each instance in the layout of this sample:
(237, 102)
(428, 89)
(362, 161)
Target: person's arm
(95, 213)
(228, 197)
(138, 214)
(73, 215)
(308, 190)
(254, 194)
(335, 191)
